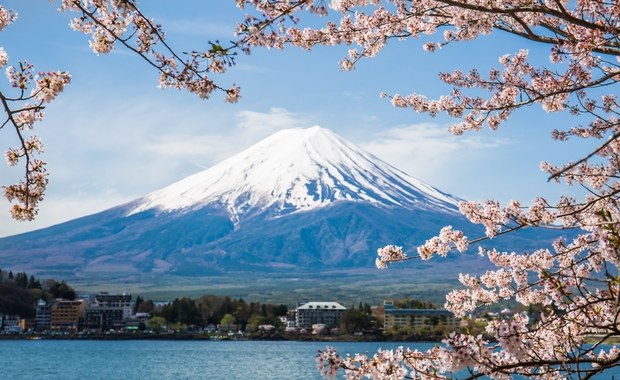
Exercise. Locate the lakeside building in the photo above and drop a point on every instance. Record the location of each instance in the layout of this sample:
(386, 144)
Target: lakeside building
(288, 321)
(66, 314)
(116, 301)
(102, 312)
(10, 323)
(313, 313)
(43, 315)
(103, 318)
(417, 319)
(108, 311)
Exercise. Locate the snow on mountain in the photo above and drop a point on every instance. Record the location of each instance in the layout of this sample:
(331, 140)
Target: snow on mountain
(296, 170)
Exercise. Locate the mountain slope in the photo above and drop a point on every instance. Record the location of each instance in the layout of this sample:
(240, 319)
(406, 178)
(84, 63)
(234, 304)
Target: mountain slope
(302, 200)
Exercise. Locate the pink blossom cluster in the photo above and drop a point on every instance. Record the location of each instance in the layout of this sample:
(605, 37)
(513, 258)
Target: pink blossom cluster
(20, 77)
(328, 362)
(49, 85)
(442, 244)
(497, 219)
(7, 16)
(4, 57)
(29, 115)
(447, 240)
(389, 254)
(401, 363)
(23, 110)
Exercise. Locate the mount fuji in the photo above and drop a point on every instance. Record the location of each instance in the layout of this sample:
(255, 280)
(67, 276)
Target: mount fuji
(293, 171)
(300, 201)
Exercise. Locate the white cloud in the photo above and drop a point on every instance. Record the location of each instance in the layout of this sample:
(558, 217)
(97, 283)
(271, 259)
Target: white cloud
(249, 128)
(264, 124)
(429, 152)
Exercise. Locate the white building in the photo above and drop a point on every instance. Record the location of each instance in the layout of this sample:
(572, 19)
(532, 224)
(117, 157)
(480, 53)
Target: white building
(44, 315)
(312, 313)
(116, 301)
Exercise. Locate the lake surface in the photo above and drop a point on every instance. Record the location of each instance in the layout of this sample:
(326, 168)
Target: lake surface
(175, 360)
(159, 359)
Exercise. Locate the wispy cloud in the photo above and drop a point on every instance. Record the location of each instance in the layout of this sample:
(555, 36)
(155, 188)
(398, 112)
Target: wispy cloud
(249, 127)
(266, 123)
(428, 151)
(185, 145)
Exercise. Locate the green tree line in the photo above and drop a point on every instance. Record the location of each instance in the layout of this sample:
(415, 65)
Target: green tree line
(212, 309)
(20, 292)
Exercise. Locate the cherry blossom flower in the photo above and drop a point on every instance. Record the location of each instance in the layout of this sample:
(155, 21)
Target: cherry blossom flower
(4, 57)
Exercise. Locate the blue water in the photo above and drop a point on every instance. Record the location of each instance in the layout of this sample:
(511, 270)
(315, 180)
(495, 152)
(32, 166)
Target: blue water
(135, 359)
(175, 360)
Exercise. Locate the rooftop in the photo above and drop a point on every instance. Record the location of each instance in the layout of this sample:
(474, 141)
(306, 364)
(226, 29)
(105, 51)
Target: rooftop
(322, 305)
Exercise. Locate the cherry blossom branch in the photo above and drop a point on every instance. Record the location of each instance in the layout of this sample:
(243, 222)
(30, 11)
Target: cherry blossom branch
(593, 153)
(108, 23)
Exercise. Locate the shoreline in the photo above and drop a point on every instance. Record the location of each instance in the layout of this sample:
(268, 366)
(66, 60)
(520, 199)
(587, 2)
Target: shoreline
(207, 337)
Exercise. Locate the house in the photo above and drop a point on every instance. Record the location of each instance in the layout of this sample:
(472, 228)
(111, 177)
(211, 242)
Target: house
(320, 329)
(287, 321)
(211, 328)
(142, 317)
(312, 313)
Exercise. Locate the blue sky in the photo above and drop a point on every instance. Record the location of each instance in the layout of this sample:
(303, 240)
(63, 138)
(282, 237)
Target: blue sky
(113, 136)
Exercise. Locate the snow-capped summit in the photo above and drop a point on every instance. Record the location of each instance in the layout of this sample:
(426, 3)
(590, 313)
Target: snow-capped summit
(296, 170)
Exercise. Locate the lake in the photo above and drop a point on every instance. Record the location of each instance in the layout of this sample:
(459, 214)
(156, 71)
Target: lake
(161, 359)
(174, 359)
